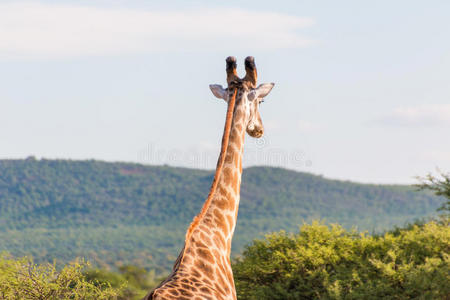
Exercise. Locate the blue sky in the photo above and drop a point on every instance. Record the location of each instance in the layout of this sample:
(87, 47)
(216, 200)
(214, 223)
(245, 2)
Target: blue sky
(362, 88)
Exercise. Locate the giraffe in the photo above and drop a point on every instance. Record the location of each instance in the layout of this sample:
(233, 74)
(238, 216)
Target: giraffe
(203, 268)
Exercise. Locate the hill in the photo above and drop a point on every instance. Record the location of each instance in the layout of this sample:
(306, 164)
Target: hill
(120, 213)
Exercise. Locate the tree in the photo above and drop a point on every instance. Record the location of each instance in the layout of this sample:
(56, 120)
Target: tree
(440, 185)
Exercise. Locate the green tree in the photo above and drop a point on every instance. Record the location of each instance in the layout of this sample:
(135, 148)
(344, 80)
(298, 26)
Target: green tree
(440, 185)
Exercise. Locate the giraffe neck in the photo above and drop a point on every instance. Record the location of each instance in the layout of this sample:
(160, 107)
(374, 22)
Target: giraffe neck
(220, 214)
(203, 265)
(208, 242)
(223, 199)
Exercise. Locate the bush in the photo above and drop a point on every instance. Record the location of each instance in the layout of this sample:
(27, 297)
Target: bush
(23, 279)
(134, 282)
(328, 262)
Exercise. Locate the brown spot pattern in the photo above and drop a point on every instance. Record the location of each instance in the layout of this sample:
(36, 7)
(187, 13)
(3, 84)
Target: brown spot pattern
(205, 254)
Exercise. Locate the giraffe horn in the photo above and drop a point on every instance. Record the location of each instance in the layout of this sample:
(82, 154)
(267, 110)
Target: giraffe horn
(231, 69)
(250, 69)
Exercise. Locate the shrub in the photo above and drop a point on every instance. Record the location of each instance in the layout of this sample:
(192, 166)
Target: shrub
(134, 282)
(328, 262)
(23, 279)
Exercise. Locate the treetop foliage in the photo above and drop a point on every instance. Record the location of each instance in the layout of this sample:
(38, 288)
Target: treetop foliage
(329, 262)
(440, 185)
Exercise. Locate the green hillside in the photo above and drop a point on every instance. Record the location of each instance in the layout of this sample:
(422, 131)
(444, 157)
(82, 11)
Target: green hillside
(120, 213)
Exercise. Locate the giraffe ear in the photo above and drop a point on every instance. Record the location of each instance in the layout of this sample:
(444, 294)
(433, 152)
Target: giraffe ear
(218, 91)
(261, 91)
(264, 89)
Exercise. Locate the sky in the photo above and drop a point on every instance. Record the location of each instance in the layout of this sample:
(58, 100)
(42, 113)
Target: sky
(361, 90)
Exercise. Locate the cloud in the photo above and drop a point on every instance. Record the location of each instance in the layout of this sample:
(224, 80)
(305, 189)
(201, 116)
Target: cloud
(429, 115)
(38, 30)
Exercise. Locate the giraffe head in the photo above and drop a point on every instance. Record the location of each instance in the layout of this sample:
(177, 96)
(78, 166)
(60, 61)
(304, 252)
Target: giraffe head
(249, 96)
